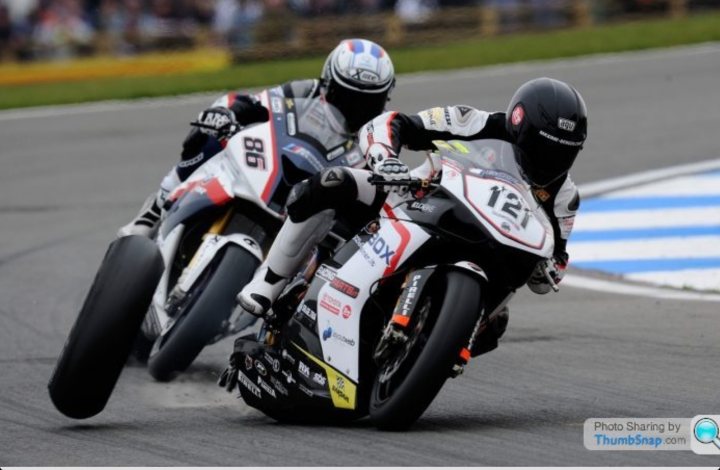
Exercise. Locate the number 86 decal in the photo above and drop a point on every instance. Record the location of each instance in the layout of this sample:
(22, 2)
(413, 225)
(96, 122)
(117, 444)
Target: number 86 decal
(254, 153)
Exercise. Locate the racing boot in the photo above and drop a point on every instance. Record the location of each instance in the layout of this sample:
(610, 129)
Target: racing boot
(488, 339)
(293, 244)
(150, 215)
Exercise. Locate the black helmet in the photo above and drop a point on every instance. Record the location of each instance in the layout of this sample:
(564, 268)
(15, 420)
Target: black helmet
(548, 121)
(358, 77)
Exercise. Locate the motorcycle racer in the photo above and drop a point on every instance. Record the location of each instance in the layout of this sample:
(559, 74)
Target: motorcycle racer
(357, 79)
(546, 119)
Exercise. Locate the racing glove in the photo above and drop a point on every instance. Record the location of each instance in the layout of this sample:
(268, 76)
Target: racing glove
(547, 275)
(392, 169)
(218, 122)
(378, 153)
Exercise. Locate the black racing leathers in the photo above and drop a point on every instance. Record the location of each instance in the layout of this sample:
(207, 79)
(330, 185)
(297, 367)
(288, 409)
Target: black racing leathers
(395, 130)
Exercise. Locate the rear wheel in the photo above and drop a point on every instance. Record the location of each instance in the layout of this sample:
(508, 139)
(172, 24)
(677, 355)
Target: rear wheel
(103, 334)
(412, 375)
(203, 318)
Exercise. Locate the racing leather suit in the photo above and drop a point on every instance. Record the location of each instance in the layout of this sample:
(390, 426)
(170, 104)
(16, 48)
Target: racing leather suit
(199, 147)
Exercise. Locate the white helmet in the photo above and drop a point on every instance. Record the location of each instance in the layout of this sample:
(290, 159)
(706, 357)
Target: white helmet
(358, 77)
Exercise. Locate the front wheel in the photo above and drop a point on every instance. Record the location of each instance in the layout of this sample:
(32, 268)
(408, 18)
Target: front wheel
(202, 320)
(100, 341)
(410, 378)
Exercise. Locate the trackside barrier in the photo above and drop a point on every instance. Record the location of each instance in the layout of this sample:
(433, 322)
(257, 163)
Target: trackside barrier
(283, 35)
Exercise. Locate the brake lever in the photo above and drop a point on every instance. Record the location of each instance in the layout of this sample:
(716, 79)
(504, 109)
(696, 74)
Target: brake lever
(413, 183)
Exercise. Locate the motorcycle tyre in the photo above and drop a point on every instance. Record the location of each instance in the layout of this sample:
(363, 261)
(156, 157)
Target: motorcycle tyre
(455, 321)
(201, 321)
(101, 339)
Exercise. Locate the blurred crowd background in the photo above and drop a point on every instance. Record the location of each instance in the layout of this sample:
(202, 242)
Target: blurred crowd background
(59, 29)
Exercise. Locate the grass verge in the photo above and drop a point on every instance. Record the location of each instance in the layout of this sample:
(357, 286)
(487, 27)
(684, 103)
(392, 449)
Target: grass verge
(639, 35)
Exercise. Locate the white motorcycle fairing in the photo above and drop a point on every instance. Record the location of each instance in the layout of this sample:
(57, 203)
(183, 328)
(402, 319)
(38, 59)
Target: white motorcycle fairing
(248, 169)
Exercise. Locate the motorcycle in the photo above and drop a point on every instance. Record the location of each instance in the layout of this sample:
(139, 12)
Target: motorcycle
(165, 299)
(377, 325)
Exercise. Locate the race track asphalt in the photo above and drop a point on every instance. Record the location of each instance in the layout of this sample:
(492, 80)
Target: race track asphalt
(70, 178)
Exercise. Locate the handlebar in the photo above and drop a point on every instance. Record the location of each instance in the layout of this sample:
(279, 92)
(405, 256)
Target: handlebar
(414, 184)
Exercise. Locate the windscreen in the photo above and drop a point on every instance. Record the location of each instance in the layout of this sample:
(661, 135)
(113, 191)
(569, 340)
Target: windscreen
(321, 121)
(487, 158)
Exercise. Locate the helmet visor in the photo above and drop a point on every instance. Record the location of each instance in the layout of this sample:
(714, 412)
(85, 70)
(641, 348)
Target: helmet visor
(545, 160)
(357, 107)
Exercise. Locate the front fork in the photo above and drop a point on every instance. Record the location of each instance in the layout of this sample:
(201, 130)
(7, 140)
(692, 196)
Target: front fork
(179, 292)
(395, 332)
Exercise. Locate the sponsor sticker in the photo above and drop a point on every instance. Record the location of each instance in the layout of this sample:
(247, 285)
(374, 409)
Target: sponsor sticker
(319, 379)
(541, 194)
(306, 390)
(381, 248)
(279, 386)
(274, 363)
(368, 76)
(407, 300)
(329, 333)
(326, 273)
(569, 143)
(346, 312)
(496, 175)
(304, 369)
(299, 150)
(338, 388)
(331, 304)
(518, 115)
(247, 383)
(266, 386)
(372, 227)
(276, 104)
(291, 124)
(345, 287)
(260, 368)
(423, 207)
(432, 117)
(566, 124)
(308, 312)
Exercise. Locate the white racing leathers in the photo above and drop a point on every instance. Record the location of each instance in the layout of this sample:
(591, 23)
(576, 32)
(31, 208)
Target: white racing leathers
(387, 133)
